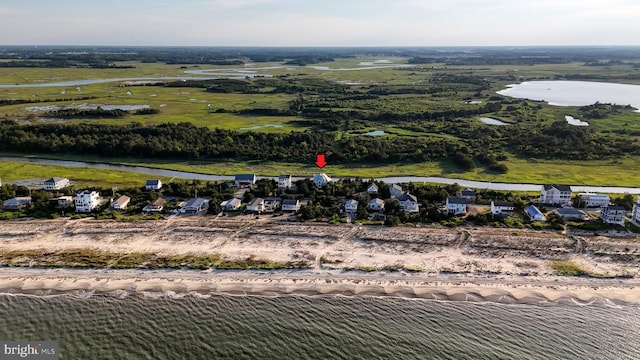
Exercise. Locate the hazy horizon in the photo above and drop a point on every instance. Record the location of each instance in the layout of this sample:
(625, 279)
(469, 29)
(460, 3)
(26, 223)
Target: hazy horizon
(332, 23)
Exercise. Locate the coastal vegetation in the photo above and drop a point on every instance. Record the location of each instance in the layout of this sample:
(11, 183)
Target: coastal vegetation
(95, 259)
(424, 104)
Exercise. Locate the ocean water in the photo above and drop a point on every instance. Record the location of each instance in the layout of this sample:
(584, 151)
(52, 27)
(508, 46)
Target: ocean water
(191, 326)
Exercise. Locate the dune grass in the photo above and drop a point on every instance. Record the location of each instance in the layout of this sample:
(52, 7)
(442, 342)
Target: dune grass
(89, 258)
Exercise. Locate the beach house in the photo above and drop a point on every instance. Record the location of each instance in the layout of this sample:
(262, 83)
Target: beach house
(231, 204)
(17, 203)
(468, 195)
(593, 200)
(395, 191)
(284, 182)
(194, 206)
(555, 194)
(456, 205)
(121, 203)
(320, 180)
(56, 183)
(256, 205)
(156, 205)
(534, 213)
(612, 214)
(376, 204)
(153, 185)
(245, 180)
(290, 205)
(408, 203)
(86, 201)
(351, 206)
(502, 207)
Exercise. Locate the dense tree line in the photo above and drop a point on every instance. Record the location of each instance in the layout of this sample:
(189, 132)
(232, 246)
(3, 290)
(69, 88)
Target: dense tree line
(560, 140)
(85, 113)
(35, 101)
(167, 140)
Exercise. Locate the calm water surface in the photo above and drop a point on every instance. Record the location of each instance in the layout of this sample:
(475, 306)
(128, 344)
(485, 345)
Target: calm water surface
(575, 93)
(326, 327)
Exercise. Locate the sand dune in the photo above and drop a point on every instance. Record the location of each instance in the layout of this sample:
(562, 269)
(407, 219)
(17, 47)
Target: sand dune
(484, 264)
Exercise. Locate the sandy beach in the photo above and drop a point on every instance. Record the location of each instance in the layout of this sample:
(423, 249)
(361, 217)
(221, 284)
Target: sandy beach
(474, 264)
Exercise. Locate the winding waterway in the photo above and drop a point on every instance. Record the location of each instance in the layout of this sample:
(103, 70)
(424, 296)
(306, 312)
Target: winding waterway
(388, 179)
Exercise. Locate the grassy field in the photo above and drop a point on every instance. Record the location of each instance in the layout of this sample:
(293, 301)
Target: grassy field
(16, 171)
(197, 106)
(594, 173)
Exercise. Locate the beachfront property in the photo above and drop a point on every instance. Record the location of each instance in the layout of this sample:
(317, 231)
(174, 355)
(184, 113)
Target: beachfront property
(502, 207)
(284, 182)
(408, 203)
(571, 213)
(272, 204)
(17, 203)
(373, 188)
(154, 184)
(290, 205)
(468, 195)
(376, 204)
(635, 213)
(121, 203)
(231, 204)
(56, 183)
(612, 214)
(63, 202)
(320, 180)
(593, 200)
(456, 205)
(86, 201)
(245, 180)
(534, 213)
(555, 194)
(395, 190)
(156, 205)
(256, 205)
(351, 206)
(194, 206)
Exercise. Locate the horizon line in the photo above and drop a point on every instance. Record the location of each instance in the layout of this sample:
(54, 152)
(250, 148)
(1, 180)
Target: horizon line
(326, 46)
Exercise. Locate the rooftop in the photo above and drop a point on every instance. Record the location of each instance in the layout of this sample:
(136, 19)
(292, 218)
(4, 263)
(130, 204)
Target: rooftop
(55, 179)
(559, 187)
(570, 211)
(456, 200)
(245, 177)
(197, 202)
(503, 203)
(533, 210)
(407, 197)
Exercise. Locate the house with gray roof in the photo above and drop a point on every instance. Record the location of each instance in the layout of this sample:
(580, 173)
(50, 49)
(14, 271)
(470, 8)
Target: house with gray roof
(555, 194)
(55, 183)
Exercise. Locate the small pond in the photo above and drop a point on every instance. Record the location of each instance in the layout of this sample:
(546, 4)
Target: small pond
(256, 127)
(490, 121)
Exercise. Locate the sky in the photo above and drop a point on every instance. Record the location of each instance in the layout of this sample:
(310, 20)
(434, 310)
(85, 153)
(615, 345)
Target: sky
(320, 22)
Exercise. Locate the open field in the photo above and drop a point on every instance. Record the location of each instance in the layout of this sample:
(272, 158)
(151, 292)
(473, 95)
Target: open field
(434, 88)
(14, 171)
(594, 173)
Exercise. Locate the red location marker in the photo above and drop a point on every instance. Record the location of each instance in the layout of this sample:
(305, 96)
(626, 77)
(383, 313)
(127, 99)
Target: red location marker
(320, 161)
